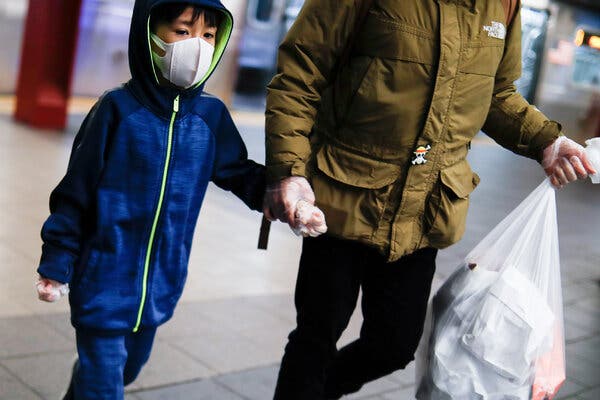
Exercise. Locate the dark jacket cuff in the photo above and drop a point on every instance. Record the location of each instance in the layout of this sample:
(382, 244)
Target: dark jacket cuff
(280, 171)
(56, 265)
(544, 138)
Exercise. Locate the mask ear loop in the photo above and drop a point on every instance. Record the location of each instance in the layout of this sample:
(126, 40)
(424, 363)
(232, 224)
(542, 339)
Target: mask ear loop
(158, 41)
(163, 46)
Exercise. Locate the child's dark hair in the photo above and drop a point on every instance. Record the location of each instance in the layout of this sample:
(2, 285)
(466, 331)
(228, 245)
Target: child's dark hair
(167, 13)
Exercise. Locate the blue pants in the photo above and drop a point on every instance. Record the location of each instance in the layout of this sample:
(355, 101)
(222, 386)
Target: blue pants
(107, 363)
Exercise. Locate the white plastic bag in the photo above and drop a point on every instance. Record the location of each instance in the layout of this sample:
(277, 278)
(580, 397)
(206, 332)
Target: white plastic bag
(497, 325)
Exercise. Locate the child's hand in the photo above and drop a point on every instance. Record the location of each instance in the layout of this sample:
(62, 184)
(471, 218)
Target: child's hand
(49, 290)
(309, 220)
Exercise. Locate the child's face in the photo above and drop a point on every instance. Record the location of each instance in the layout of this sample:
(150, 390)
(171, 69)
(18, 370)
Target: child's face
(183, 28)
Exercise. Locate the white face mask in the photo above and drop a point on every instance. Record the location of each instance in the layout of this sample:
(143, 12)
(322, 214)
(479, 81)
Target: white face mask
(185, 62)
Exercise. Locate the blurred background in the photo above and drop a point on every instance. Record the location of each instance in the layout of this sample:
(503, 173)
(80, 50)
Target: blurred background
(561, 53)
(101, 51)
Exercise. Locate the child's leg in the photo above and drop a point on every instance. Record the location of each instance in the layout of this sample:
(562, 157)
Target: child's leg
(98, 373)
(138, 346)
(107, 363)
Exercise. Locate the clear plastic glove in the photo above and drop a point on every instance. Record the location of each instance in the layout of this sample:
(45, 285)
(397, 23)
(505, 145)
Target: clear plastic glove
(282, 197)
(291, 200)
(565, 161)
(310, 220)
(50, 290)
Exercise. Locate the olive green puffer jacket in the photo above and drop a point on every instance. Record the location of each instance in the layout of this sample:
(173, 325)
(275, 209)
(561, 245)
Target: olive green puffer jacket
(423, 75)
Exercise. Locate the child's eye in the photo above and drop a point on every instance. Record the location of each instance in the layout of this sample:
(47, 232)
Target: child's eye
(181, 32)
(209, 35)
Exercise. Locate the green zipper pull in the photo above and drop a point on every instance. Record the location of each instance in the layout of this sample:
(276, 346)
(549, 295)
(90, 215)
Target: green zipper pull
(176, 104)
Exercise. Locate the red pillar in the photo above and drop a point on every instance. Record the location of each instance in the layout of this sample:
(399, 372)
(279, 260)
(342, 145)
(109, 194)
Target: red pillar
(47, 58)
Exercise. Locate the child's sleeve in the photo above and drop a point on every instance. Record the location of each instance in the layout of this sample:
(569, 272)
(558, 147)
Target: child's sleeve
(71, 200)
(233, 170)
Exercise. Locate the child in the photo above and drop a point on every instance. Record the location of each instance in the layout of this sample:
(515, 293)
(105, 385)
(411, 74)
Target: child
(123, 217)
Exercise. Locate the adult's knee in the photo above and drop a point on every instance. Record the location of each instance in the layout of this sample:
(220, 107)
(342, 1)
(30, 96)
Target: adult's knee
(392, 352)
(311, 343)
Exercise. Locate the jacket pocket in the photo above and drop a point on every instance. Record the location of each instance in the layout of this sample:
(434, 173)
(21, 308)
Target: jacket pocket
(88, 265)
(387, 38)
(355, 169)
(352, 190)
(446, 213)
(375, 117)
(482, 58)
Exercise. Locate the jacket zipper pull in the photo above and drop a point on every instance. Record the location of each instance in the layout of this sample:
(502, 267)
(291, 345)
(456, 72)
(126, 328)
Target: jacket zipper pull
(176, 104)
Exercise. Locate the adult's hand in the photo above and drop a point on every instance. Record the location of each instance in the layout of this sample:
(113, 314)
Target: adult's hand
(282, 197)
(565, 161)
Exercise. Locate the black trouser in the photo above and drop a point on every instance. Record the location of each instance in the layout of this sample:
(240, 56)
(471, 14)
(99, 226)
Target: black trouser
(394, 303)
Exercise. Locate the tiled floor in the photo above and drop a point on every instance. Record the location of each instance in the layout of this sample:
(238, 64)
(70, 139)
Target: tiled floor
(227, 335)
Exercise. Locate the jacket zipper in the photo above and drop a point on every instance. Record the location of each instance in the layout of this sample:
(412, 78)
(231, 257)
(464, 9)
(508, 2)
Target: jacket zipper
(157, 214)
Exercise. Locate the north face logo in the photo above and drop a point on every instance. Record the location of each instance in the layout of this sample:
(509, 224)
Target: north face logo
(496, 30)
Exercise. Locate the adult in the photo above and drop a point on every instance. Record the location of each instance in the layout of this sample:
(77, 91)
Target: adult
(380, 141)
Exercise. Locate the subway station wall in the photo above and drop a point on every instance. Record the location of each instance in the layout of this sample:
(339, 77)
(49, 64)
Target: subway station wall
(12, 19)
(102, 62)
(569, 80)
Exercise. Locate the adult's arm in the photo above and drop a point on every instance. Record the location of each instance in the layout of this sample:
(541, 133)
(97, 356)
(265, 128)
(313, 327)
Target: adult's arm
(522, 128)
(307, 58)
(512, 121)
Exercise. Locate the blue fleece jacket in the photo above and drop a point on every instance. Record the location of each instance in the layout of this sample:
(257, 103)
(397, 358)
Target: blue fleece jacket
(123, 217)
